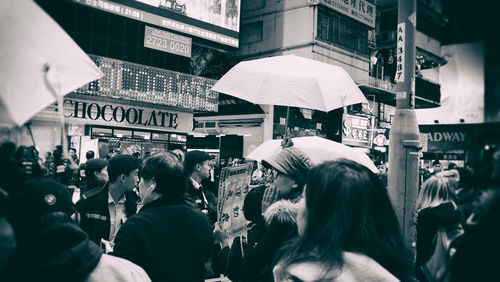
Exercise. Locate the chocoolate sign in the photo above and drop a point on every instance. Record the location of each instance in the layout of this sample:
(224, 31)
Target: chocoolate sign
(92, 112)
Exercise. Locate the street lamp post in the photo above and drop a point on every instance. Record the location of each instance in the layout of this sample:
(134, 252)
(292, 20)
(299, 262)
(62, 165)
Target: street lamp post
(404, 141)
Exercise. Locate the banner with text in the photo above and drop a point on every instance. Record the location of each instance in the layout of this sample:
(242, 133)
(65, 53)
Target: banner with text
(234, 185)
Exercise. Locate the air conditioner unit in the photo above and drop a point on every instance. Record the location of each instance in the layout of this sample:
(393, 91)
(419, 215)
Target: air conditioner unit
(386, 36)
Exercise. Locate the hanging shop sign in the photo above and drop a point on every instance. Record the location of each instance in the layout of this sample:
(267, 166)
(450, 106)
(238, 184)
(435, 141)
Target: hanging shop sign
(360, 10)
(99, 113)
(356, 131)
(167, 42)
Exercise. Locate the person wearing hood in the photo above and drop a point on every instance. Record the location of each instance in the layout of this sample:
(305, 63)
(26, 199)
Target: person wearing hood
(348, 230)
(51, 246)
(168, 238)
(436, 209)
(278, 208)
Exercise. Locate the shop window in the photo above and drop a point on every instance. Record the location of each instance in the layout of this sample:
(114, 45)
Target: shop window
(101, 131)
(122, 133)
(210, 124)
(160, 136)
(343, 32)
(251, 32)
(178, 138)
(142, 134)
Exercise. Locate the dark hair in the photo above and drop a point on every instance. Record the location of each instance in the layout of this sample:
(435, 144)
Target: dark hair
(348, 209)
(121, 164)
(167, 172)
(252, 205)
(89, 155)
(72, 149)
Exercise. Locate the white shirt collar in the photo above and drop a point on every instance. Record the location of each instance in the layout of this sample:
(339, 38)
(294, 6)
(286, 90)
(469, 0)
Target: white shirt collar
(195, 184)
(110, 199)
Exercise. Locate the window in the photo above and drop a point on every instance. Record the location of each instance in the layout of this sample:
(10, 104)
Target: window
(343, 32)
(251, 32)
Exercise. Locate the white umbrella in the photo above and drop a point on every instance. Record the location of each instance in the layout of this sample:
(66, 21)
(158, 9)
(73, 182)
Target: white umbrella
(316, 148)
(38, 61)
(291, 81)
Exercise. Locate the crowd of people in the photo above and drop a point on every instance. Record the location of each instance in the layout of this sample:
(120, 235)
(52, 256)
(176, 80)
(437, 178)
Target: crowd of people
(154, 219)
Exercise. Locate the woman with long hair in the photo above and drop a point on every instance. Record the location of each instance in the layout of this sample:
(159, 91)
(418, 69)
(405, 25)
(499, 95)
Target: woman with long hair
(348, 230)
(436, 208)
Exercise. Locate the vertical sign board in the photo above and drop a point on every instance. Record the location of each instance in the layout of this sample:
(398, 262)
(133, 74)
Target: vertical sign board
(234, 184)
(400, 67)
(167, 42)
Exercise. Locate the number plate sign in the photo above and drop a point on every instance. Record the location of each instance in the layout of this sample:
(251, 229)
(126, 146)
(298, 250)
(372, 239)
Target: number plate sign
(167, 41)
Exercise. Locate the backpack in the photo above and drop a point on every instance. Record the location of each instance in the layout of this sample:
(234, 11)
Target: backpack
(437, 267)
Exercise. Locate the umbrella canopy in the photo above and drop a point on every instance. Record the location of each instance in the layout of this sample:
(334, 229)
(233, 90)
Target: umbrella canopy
(291, 81)
(37, 60)
(318, 149)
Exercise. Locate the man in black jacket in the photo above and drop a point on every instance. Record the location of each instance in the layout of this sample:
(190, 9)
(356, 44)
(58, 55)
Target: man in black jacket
(168, 238)
(104, 209)
(197, 169)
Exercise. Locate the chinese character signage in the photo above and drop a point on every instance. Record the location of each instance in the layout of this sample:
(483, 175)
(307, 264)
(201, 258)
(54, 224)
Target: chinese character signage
(217, 21)
(234, 184)
(359, 10)
(356, 131)
(129, 81)
(400, 53)
(167, 42)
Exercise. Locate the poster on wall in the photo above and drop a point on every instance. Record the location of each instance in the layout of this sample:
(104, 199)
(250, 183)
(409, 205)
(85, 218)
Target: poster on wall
(234, 184)
(88, 144)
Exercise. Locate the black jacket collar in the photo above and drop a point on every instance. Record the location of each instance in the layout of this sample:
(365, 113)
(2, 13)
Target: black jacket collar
(165, 200)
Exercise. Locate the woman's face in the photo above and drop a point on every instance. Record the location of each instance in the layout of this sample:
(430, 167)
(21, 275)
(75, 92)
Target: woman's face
(145, 189)
(283, 183)
(301, 215)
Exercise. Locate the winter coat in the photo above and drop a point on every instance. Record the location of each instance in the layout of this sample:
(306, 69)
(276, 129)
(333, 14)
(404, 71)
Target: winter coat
(168, 238)
(477, 251)
(94, 212)
(63, 252)
(356, 267)
(429, 220)
(260, 254)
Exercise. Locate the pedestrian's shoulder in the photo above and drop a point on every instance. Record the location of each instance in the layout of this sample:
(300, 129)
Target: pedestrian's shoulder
(111, 268)
(92, 193)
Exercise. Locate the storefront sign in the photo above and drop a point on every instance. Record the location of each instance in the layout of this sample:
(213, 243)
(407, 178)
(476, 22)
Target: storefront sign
(234, 184)
(167, 42)
(446, 140)
(355, 131)
(81, 111)
(359, 10)
(147, 84)
(380, 140)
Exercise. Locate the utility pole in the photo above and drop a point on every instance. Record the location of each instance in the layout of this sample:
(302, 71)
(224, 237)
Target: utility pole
(404, 142)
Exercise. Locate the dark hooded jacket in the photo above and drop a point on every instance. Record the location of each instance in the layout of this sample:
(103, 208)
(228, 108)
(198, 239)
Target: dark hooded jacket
(429, 220)
(63, 252)
(168, 238)
(259, 255)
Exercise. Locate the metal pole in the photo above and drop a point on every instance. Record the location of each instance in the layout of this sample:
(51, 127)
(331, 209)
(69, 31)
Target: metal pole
(404, 144)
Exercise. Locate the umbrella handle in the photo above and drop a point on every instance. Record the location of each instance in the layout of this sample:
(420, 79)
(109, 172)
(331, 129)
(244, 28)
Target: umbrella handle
(60, 107)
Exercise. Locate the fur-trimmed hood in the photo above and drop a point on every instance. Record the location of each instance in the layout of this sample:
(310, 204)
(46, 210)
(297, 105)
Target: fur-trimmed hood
(282, 211)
